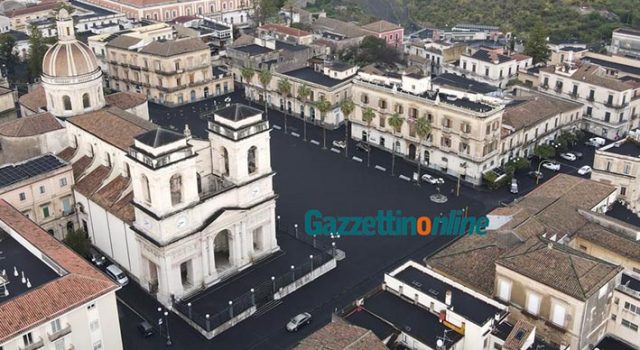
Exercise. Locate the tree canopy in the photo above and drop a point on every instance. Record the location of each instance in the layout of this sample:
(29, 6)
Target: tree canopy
(536, 44)
(36, 53)
(371, 50)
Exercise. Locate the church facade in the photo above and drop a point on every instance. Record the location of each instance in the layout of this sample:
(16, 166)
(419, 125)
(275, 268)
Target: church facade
(178, 213)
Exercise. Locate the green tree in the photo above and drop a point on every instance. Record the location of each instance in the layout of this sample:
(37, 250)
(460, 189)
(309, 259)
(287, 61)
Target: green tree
(265, 77)
(323, 107)
(423, 130)
(372, 50)
(264, 10)
(395, 121)
(367, 116)
(536, 44)
(544, 151)
(7, 56)
(347, 107)
(36, 53)
(303, 94)
(78, 241)
(247, 75)
(284, 88)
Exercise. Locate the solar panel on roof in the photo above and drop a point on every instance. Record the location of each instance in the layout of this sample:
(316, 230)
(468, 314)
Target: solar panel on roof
(14, 173)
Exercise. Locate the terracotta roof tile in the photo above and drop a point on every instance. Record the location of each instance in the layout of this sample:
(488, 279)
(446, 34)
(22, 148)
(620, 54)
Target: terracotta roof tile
(525, 112)
(91, 182)
(279, 28)
(174, 47)
(609, 239)
(596, 75)
(67, 153)
(339, 335)
(381, 26)
(80, 284)
(113, 126)
(34, 100)
(124, 208)
(125, 100)
(32, 9)
(80, 165)
(30, 126)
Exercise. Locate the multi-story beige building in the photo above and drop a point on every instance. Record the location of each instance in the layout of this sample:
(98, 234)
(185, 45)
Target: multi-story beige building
(168, 72)
(20, 17)
(618, 164)
(51, 298)
(624, 322)
(41, 189)
(611, 104)
(332, 82)
(465, 129)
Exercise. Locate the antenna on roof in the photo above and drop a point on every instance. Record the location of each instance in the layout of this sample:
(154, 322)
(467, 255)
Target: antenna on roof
(441, 342)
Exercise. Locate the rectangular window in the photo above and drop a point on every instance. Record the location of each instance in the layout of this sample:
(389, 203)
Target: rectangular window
(94, 325)
(632, 326)
(59, 344)
(607, 117)
(45, 212)
(55, 326)
(97, 345)
(559, 314)
(504, 290)
(27, 339)
(42, 190)
(627, 169)
(23, 196)
(592, 94)
(66, 205)
(589, 111)
(533, 304)
(63, 182)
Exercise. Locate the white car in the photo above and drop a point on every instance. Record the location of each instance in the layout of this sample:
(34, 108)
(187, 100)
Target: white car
(298, 321)
(432, 180)
(117, 274)
(339, 144)
(552, 166)
(584, 170)
(569, 156)
(596, 142)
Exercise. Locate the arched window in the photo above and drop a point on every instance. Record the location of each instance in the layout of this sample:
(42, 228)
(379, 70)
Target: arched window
(175, 186)
(85, 101)
(188, 12)
(166, 15)
(66, 102)
(146, 192)
(199, 10)
(212, 9)
(252, 164)
(224, 6)
(225, 159)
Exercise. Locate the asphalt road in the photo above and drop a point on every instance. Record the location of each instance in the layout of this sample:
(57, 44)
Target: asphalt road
(309, 177)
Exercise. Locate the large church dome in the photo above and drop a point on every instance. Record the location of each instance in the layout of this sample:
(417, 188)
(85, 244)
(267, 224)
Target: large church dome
(68, 57)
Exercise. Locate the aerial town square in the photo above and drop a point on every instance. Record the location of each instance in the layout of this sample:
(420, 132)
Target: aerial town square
(319, 174)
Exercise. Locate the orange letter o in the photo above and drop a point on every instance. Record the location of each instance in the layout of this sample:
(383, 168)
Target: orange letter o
(423, 226)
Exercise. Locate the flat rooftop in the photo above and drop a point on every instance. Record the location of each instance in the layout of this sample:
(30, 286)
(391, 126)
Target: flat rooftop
(310, 75)
(612, 343)
(626, 148)
(253, 49)
(460, 82)
(465, 304)
(613, 65)
(363, 318)
(631, 282)
(14, 255)
(13, 173)
(410, 319)
(503, 330)
(214, 26)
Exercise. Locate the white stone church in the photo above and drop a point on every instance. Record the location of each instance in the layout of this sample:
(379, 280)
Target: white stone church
(177, 212)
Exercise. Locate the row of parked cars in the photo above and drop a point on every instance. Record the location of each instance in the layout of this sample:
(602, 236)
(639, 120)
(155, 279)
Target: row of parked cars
(112, 270)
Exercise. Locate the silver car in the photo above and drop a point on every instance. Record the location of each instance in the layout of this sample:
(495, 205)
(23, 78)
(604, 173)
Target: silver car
(298, 321)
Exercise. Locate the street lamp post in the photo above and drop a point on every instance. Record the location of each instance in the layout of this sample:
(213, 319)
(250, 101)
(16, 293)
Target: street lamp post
(295, 227)
(278, 221)
(273, 282)
(189, 305)
(207, 322)
(230, 309)
(253, 297)
(538, 172)
(311, 258)
(333, 249)
(166, 321)
(293, 273)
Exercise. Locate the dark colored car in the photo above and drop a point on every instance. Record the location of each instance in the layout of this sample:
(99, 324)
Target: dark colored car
(145, 329)
(363, 147)
(97, 258)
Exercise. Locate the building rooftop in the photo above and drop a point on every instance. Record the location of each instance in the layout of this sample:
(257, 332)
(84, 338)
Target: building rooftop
(628, 31)
(13, 173)
(60, 279)
(490, 56)
(124, 42)
(365, 319)
(253, 49)
(609, 342)
(618, 237)
(31, 126)
(45, 6)
(530, 110)
(113, 125)
(308, 74)
(237, 112)
(631, 282)
(551, 209)
(464, 304)
(409, 318)
(159, 137)
(281, 45)
(334, 26)
(596, 75)
(381, 26)
(504, 330)
(459, 82)
(625, 147)
(279, 28)
(125, 99)
(34, 100)
(176, 47)
(214, 26)
(341, 335)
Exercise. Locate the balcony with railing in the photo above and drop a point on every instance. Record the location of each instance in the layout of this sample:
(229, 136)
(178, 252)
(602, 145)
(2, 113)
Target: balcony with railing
(59, 334)
(33, 346)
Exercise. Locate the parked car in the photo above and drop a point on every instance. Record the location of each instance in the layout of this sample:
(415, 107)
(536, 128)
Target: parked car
(514, 186)
(555, 166)
(117, 275)
(569, 156)
(584, 170)
(596, 142)
(363, 146)
(432, 179)
(298, 321)
(536, 174)
(579, 155)
(145, 329)
(97, 258)
(339, 144)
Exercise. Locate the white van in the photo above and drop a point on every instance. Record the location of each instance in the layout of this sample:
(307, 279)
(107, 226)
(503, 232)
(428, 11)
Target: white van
(117, 274)
(514, 186)
(596, 141)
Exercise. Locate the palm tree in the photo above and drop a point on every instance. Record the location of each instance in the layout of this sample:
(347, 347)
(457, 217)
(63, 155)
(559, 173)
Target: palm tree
(303, 93)
(395, 122)
(284, 88)
(247, 74)
(423, 129)
(346, 106)
(323, 107)
(265, 78)
(367, 116)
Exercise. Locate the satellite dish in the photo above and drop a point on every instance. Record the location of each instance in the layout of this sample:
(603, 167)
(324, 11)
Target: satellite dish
(439, 343)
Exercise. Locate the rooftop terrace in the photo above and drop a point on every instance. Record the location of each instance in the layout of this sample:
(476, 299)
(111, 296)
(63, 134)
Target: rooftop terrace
(310, 75)
(13, 173)
(623, 148)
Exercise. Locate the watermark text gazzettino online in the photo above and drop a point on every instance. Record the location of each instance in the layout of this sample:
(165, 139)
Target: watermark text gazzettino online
(393, 223)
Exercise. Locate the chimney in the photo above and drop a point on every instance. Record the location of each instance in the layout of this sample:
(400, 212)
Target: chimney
(447, 298)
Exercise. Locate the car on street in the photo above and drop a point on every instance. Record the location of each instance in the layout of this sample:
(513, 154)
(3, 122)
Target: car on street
(339, 144)
(299, 321)
(363, 146)
(536, 174)
(596, 142)
(569, 156)
(97, 258)
(584, 170)
(555, 166)
(117, 275)
(145, 329)
(514, 186)
(432, 179)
